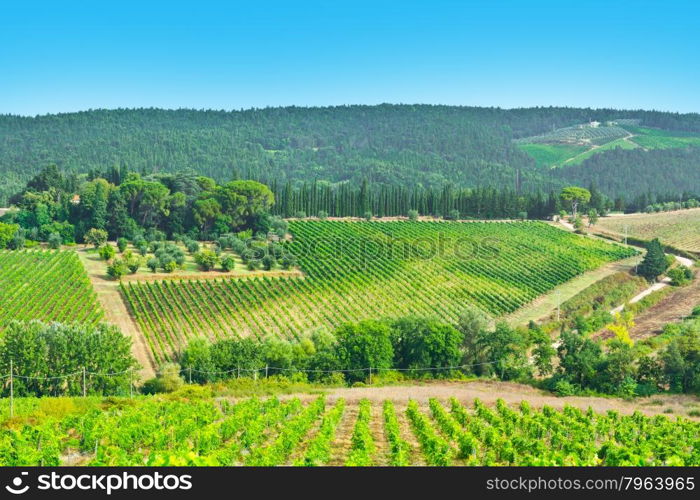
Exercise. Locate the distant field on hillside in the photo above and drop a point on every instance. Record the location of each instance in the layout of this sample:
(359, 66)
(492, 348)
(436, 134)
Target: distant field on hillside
(653, 138)
(617, 143)
(357, 270)
(45, 285)
(548, 155)
(574, 145)
(680, 229)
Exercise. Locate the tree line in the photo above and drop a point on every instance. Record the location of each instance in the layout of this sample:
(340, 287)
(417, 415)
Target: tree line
(404, 145)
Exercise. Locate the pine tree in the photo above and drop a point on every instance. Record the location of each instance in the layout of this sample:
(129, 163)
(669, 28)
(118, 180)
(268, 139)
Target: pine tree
(654, 263)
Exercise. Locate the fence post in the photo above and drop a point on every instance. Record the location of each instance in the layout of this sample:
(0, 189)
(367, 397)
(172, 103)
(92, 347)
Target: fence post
(238, 374)
(12, 392)
(84, 392)
(190, 370)
(266, 371)
(131, 383)
(370, 375)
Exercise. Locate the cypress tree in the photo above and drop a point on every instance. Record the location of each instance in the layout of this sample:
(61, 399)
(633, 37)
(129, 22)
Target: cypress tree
(654, 263)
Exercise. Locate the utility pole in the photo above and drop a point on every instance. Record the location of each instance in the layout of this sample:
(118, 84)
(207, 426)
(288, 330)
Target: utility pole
(12, 392)
(558, 295)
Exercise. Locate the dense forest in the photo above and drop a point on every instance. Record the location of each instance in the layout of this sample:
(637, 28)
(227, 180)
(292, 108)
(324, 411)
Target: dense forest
(392, 145)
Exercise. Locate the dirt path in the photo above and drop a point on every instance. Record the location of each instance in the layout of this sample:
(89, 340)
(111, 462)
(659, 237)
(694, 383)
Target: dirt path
(513, 394)
(110, 298)
(672, 309)
(655, 287)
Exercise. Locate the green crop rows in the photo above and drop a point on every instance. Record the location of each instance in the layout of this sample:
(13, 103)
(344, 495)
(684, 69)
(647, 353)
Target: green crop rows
(205, 431)
(45, 285)
(357, 270)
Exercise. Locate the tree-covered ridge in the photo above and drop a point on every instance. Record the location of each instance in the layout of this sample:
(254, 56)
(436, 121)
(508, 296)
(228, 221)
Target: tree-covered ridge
(387, 144)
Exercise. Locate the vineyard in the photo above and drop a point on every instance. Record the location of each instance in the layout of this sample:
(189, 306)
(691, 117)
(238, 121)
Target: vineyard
(271, 432)
(45, 285)
(680, 229)
(357, 270)
(579, 134)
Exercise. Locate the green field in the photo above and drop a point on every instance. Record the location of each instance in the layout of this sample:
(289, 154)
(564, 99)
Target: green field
(358, 270)
(45, 285)
(618, 143)
(270, 432)
(653, 138)
(552, 155)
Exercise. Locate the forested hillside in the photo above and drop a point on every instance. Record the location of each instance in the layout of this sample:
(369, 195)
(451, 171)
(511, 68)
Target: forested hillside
(405, 145)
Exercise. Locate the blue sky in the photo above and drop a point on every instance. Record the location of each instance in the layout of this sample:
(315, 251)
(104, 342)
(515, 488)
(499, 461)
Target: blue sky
(70, 56)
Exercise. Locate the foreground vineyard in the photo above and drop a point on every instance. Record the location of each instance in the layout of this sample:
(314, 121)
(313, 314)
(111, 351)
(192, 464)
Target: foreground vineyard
(357, 270)
(45, 285)
(152, 431)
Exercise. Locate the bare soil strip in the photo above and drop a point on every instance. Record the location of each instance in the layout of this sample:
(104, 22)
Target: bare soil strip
(513, 394)
(342, 442)
(116, 312)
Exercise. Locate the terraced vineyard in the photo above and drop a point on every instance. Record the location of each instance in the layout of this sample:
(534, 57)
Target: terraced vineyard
(154, 431)
(356, 270)
(45, 285)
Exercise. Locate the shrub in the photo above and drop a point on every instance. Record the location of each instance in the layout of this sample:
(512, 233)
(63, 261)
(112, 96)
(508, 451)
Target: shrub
(206, 259)
(168, 380)
(288, 261)
(122, 243)
(107, 252)
(192, 246)
(153, 264)
(54, 240)
(228, 263)
(268, 262)
(96, 237)
(413, 215)
(117, 269)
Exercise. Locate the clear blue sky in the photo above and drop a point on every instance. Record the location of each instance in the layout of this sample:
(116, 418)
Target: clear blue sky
(69, 56)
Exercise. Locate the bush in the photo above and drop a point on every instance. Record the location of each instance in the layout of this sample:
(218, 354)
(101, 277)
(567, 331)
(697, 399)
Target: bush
(192, 246)
(268, 262)
(413, 215)
(153, 264)
(206, 259)
(228, 263)
(107, 252)
(253, 265)
(168, 380)
(122, 243)
(680, 275)
(564, 388)
(54, 240)
(117, 269)
(322, 214)
(288, 261)
(96, 237)
(367, 216)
